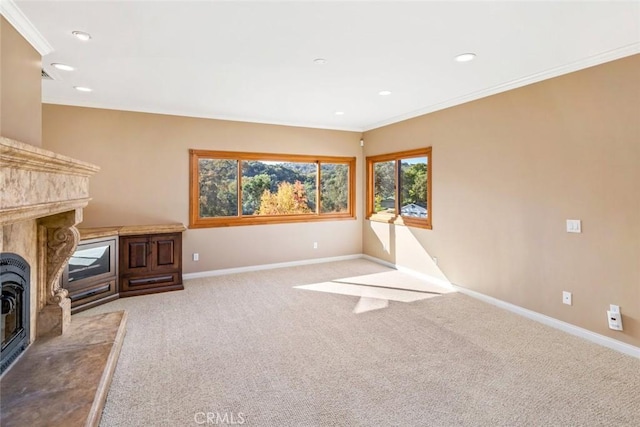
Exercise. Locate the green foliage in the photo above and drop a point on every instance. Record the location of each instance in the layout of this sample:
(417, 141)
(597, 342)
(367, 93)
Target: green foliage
(253, 187)
(218, 187)
(414, 184)
(334, 188)
(384, 185)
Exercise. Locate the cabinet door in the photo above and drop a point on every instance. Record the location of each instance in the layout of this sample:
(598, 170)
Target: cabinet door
(166, 252)
(135, 255)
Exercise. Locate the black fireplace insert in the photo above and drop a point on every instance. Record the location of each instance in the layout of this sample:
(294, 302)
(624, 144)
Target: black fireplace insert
(15, 284)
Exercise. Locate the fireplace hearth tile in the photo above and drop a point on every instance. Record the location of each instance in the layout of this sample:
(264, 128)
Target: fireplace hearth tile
(64, 380)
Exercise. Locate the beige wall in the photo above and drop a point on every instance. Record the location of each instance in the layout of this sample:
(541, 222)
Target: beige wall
(20, 87)
(20, 119)
(508, 170)
(144, 179)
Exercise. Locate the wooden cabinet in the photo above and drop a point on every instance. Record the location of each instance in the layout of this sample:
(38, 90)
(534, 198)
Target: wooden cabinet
(150, 263)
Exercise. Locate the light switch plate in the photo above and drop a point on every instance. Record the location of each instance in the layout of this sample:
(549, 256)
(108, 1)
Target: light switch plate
(574, 226)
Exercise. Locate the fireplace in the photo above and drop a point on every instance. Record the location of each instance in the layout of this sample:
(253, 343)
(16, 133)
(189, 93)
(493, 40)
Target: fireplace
(15, 286)
(41, 202)
(63, 375)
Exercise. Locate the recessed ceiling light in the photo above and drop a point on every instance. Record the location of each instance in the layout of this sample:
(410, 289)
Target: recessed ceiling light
(320, 61)
(83, 88)
(81, 35)
(384, 92)
(465, 57)
(63, 67)
(339, 113)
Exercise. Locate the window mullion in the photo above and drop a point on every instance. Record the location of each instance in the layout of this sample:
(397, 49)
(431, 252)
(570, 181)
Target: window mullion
(398, 169)
(318, 183)
(239, 188)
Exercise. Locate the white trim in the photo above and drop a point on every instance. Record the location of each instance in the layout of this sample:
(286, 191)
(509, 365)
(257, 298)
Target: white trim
(601, 58)
(191, 114)
(530, 314)
(21, 23)
(246, 269)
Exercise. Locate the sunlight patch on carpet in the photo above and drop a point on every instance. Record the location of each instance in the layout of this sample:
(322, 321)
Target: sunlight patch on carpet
(376, 290)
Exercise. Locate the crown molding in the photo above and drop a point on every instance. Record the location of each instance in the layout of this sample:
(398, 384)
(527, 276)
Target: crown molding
(21, 23)
(191, 114)
(571, 67)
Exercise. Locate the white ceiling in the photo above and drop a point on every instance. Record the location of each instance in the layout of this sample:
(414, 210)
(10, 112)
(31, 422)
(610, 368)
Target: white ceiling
(253, 61)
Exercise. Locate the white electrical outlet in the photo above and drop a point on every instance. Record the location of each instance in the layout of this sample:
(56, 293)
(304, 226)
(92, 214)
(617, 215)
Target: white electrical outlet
(196, 256)
(614, 317)
(315, 245)
(574, 226)
(566, 297)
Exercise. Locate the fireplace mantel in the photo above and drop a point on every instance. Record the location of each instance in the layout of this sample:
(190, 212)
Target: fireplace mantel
(38, 183)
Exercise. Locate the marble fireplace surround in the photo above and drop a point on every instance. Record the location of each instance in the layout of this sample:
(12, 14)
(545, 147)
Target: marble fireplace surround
(41, 200)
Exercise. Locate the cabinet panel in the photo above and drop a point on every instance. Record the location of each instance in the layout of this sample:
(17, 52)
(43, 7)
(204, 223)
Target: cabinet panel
(166, 252)
(134, 255)
(138, 254)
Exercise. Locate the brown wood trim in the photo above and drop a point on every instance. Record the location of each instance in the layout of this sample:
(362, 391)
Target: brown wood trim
(352, 188)
(276, 219)
(420, 152)
(318, 187)
(194, 205)
(194, 209)
(279, 157)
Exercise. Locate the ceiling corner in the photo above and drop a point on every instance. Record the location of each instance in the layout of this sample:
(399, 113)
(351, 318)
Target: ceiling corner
(21, 23)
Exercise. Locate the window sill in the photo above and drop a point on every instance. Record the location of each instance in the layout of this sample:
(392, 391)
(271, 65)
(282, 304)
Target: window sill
(399, 220)
(264, 220)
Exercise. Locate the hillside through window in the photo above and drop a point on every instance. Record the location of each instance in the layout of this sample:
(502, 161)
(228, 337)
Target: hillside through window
(399, 188)
(229, 188)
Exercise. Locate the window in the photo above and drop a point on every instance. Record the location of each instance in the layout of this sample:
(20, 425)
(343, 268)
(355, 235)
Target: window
(229, 188)
(399, 188)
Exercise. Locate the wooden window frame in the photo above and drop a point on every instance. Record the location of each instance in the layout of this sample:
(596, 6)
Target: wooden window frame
(195, 221)
(397, 217)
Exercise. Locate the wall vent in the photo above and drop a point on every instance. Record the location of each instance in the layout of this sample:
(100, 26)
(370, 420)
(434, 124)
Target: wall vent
(46, 76)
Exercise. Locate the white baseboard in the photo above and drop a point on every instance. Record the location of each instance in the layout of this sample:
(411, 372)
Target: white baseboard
(530, 314)
(225, 271)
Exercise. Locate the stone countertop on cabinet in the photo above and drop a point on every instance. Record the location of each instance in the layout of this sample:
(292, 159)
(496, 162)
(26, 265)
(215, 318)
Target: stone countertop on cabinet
(130, 230)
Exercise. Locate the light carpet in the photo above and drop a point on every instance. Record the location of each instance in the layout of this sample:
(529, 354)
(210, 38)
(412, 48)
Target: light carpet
(258, 349)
